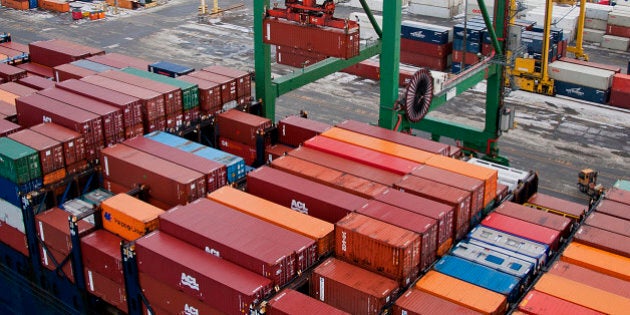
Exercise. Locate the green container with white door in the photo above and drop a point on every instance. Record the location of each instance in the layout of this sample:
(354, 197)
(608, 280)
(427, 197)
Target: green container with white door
(18, 163)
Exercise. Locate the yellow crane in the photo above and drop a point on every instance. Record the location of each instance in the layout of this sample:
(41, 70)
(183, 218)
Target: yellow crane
(578, 49)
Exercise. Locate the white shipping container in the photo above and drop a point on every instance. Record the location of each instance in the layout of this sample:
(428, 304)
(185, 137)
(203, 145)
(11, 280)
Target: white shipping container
(581, 75)
(437, 3)
(428, 10)
(619, 18)
(474, 10)
(593, 36)
(596, 24)
(615, 42)
(376, 5)
(367, 31)
(11, 215)
(597, 11)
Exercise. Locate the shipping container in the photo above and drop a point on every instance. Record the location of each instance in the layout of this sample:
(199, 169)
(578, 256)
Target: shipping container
(297, 58)
(524, 229)
(294, 130)
(517, 244)
(52, 53)
(428, 33)
(302, 195)
(18, 162)
(350, 288)
(318, 230)
(73, 143)
(536, 302)
(68, 71)
(129, 217)
(78, 207)
(91, 65)
(597, 260)
(522, 184)
(614, 208)
(618, 194)
(209, 94)
(288, 302)
(582, 92)
(101, 253)
(167, 182)
(241, 126)
(53, 229)
(227, 84)
(190, 92)
(603, 239)
(169, 299)
(608, 223)
(92, 51)
(56, 261)
(595, 78)
(37, 69)
(8, 110)
(11, 215)
(572, 210)
(12, 192)
(418, 60)
(200, 275)
(462, 293)
(169, 69)
(417, 302)
(243, 79)
(429, 49)
(17, 89)
(501, 260)
(7, 127)
(36, 82)
(275, 151)
(106, 289)
(12, 237)
(591, 278)
(120, 61)
(545, 219)
(11, 73)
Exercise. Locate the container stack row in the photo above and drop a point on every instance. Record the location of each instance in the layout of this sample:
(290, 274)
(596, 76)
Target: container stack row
(608, 26)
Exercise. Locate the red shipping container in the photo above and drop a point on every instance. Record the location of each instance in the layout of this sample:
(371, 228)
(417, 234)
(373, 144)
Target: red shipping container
(247, 152)
(536, 302)
(411, 221)
(243, 79)
(8, 109)
(165, 299)
(302, 195)
(367, 69)
(267, 255)
(618, 195)
(15, 46)
(457, 198)
(35, 109)
(93, 51)
(362, 155)
(228, 85)
(7, 127)
(53, 229)
(11, 73)
(416, 59)
(428, 49)
(111, 292)
(608, 223)
(214, 172)
(297, 58)
(13, 238)
(36, 82)
(288, 302)
(17, 89)
(131, 106)
(294, 130)
(546, 219)
(112, 117)
(241, 126)
(120, 61)
(621, 82)
(69, 71)
(350, 288)
(604, 240)
(523, 229)
(617, 30)
(50, 150)
(328, 41)
(471, 58)
(573, 210)
(487, 49)
(615, 209)
(37, 69)
(275, 151)
(591, 278)
(51, 53)
(52, 259)
(416, 302)
(11, 52)
(72, 142)
(100, 251)
(199, 274)
(619, 98)
(167, 182)
(209, 94)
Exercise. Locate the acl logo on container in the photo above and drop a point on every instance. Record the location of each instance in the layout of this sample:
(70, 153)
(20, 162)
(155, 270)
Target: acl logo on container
(299, 206)
(190, 310)
(189, 281)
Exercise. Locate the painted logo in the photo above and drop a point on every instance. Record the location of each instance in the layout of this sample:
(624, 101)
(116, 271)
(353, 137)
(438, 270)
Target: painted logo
(189, 281)
(299, 206)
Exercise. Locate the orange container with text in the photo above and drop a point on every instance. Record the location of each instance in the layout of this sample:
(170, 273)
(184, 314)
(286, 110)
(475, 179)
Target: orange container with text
(129, 217)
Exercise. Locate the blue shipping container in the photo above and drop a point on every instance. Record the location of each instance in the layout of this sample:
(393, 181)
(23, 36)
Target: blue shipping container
(503, 262)
(10, 191)
(473, 47)
(473, 31)
(557, 34)
(169, 69)
(581, 92)
(481, 276)
(423, 32)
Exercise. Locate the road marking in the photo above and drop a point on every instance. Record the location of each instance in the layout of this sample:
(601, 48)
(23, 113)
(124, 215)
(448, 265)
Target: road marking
(112, 46)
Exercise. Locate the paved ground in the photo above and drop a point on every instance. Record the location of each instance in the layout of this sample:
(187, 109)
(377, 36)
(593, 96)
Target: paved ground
(554, 136)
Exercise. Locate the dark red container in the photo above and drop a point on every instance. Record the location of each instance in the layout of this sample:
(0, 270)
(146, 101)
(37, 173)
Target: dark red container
(7, 127)
(247, 152)
(396, 137)
(523, 229)
(50, 150)
(615, 209)
(120, 61)
(131, 106)
(275, 151)
(536, 302)
(52, 259)
(73, 143)
(459, 55)
(112, 117)
(100, 251)
(36, 82)
(11, 73)
(618, 195)
(591, 278)
(53, 228)
(487, 49)
(110, 291)
(264, 249)
(604, 240)
(37, 69)
(69, 71)
(457, 198)
(367, 69)
(546, 219)
(199, 274)
(51, 53)
(361, 155)
(619, 98)
(302, 195)
(167, 182)
(416, 59)
(165, 299)
(93, 51)
(374, 174)
(35, 109)
(294, 130)
(288, 302)
(241, 126)
(419, 224)
(228, 85)
(573, 210)
(243, 79)
(350, 288)
(417, 302)
(17, 89)
(617, 30)
(297, 58)
(328, 41)
(15, 46)
(13, 238)
(209, 94)
(429, 49)
(214, 172)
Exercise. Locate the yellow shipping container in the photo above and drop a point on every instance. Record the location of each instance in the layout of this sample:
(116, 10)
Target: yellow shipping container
(129, 217)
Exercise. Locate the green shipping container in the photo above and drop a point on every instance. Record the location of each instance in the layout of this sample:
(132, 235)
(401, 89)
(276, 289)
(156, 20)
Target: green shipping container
(18, 163)
(623, 184)
(190, 91)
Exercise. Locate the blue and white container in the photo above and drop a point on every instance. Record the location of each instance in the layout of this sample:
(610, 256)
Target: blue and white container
(425, 32)
(580, 92)
(513, 243)
(504, 262)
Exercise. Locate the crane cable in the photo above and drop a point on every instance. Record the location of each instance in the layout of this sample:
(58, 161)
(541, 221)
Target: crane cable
(418, 95)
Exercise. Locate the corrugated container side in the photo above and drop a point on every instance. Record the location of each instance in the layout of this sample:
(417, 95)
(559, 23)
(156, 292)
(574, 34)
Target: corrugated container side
(536, 302)
(53, 229)
(129, 217)
(608, 223)
(227, 84)
(52, 259)
(166, 299)
(243, 79)
(598, 260)
(37, 69)
(50, 150)
(603, 239)
(13, 238)
(549, 220)
(276, 151)
(289, 302)
(11, 73)
(73, 142)
(18, 162)
(246, 151)
(294, 130)
(190, 92)
(484, 235)
(600, 79)
(36, 82)
(106, 289)
(591, 278)
(615, 209)
(209, 94)
(241, 126)
(7, 127)
(416, 302)
(562, 207)
(523, 229)
(17, 89)
(100, 251)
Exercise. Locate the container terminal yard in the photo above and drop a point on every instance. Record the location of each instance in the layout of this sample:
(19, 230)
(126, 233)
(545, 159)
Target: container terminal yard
(147, 168)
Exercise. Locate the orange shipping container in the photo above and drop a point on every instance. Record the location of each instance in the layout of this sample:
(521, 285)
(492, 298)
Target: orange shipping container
(582, 294)
(462, 293)
(55, 5)
(379, 145)
(320, 231)
(598, 260)
(129, 217)
(489, 176)
(8, 96)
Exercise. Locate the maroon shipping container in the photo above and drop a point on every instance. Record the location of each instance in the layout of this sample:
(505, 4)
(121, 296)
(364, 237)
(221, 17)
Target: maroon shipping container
(418, 60)
(289, 302)
(351, 288)
(13, 238)
(199, 274)
(53, 53)
(120, 61)
(228, 85)
(328, 41)
(73, 143)
(457, 198)
(241, 126)
(548, 203)
(36, 82)
(167, 182)
(591, 278)
(459, 55)
(93, 51)
(112, 117)
(297, 58)
(52, 259)
(619, 98)
(367, 69)
(362, 155)
(100, 251)
(7, 127)
(379, 247)
(165, 299)
(245, 151)
(17, 89)
(422, 225)
(275, 151)
(37, 69)
(618, 195)
(617, 30)
(428, 49)
(536, 302)
(615, 209)
(11, 73)
(215, 173)
(54, 230)
(243, 79)
(35, 109)
(523, 229)
(604, 240)
(374, 174)
(131, 106)
(50, 150)
(265, 249)
(396, 137)
(15, 46)
(417, 302)
(302, 195)
(68, 71)
(294, 130)
(209, 94)
(111, 292)
(546, 219)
